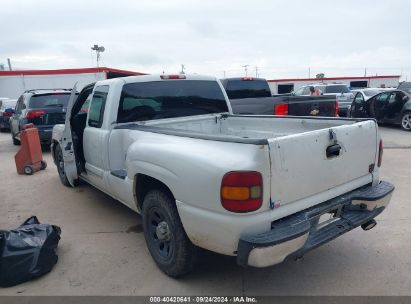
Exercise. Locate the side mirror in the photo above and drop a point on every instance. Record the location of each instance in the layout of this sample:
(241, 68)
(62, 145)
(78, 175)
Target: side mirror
(405, 98)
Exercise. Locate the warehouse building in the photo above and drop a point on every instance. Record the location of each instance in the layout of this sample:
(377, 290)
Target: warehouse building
(14, 83)
(282, 86)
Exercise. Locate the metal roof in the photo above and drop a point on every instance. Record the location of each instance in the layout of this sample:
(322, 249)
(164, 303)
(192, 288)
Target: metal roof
(333, 78)
(69, 71)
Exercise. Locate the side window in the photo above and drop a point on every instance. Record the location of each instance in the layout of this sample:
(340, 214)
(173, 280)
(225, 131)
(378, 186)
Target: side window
(306, 91)
(359, 99)
(299, 91)
(382, 98)
(86, 105)
(393, 98)
(96, 110)
(19, 104)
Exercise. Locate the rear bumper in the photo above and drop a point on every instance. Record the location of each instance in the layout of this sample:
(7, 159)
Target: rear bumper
(4, 122)
(298, 233)
(45, 134)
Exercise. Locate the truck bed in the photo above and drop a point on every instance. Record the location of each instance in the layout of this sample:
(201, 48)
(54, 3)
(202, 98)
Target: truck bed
(308, 156)
(244, 129)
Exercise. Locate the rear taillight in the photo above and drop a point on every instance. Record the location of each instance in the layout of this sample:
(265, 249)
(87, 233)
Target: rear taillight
(35, 114)
(7, 114)
(281, 109)
(242, 191)
(247, 78)
(336, 107)
(178, 76)
(380, 153)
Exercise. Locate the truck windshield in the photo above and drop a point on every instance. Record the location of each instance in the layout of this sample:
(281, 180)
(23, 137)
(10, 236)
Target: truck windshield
(49, 100)
(166, 99)
(337, 89)
(247, 88)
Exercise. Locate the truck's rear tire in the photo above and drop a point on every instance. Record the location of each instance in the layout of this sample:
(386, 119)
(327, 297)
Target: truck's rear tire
(166, 239)
(58, 156)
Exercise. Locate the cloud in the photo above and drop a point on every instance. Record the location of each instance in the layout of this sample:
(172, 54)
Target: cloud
(281, 38)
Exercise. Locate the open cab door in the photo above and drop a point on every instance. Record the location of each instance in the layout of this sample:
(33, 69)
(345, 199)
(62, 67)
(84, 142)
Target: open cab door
(67, 146)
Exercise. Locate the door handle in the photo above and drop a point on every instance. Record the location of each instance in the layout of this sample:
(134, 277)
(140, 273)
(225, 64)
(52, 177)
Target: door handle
(333, 151)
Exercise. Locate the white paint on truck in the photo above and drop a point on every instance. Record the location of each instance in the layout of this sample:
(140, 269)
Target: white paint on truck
(190, 155)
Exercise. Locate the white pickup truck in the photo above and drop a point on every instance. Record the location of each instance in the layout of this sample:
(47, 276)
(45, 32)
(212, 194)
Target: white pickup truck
(262, 188)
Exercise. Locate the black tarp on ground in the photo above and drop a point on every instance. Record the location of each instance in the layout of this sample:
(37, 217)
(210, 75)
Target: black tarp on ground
(27, 252)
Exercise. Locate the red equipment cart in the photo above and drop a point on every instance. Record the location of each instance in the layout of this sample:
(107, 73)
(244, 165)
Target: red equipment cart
(29, 159)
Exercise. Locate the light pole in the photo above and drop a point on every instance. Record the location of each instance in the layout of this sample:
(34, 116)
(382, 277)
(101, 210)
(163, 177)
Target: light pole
(246, 69)
(98, 49)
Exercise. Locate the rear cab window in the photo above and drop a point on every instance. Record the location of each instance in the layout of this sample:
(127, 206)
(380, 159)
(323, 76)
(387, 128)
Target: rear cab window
(142, 101)
(247, 88)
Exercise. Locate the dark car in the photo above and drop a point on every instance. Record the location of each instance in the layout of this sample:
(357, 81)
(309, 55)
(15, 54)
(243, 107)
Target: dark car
(6, 111)
(246, 87)
(392, 106)
(252, 96)
(43, 108)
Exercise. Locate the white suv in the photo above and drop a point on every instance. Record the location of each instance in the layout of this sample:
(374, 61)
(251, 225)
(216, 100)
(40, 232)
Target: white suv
(343, 93)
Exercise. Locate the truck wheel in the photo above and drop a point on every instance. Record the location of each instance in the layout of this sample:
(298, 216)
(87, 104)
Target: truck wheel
(58, 155)
(166, 239)
(406, 121)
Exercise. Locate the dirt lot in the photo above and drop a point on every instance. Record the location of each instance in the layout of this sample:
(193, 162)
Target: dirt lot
(102, 250)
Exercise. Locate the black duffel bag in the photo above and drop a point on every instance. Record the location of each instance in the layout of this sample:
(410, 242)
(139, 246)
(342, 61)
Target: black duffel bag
(27, 252)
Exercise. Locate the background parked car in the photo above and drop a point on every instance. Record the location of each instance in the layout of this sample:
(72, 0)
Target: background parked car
(366, 93)
(343, 93)
(392, 106)
(246, 87)
(6, 111)
(252, 96)
(405, 86)
(43, 108)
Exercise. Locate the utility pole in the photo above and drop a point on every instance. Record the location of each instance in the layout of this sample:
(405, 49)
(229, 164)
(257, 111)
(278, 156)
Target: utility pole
(309, 72)
(98, 49)
(224, 74)
(182, 69)
(9, 63)
(256, 72)
(365, 72)
(246, 69)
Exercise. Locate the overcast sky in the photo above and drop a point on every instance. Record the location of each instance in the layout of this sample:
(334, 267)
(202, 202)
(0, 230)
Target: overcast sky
(282, 38)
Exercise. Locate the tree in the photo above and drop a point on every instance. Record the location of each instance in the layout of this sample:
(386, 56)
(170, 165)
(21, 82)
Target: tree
(320, 75)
